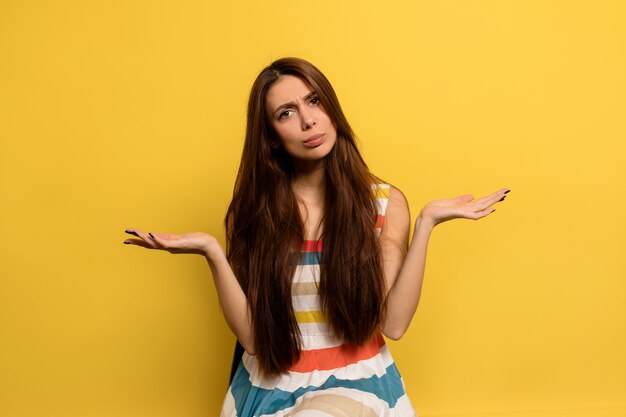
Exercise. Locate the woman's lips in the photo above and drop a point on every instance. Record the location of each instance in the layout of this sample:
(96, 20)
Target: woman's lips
(315, 140)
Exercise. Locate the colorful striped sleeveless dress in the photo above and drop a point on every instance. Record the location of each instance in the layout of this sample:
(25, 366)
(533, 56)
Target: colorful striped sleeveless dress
(330, 378)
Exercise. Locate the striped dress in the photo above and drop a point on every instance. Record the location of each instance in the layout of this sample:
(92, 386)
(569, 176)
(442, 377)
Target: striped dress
(330, 378)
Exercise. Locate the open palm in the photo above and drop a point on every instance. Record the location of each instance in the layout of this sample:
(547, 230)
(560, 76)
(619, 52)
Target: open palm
(463, 206)
(195, 242)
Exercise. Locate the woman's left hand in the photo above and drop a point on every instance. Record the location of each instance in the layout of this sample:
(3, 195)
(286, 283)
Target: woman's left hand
(461, 207)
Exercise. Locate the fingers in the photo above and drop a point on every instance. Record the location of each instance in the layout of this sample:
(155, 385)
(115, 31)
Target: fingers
(145, 240)
(486, 202)
(162, 241)
(493, 196)
(483, 213)
(158, 241)
(138, 242)
(483, 206)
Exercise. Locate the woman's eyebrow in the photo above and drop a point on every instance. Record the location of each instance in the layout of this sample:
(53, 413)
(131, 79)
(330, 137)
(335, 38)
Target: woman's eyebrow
(309, 95)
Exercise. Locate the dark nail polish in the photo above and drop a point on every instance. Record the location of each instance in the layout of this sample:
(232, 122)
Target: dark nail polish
(506, 191)
(502, 198)
(127, 243)
(132, 232)
(150, 234)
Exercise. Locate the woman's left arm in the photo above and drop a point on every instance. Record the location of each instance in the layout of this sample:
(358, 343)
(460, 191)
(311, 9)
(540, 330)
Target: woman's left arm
(404, 270)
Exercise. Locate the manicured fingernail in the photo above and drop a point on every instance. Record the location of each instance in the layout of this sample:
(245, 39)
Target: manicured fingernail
(131, 232)
(506, 191)
(126, 243)
(502, 198)
(151, 235)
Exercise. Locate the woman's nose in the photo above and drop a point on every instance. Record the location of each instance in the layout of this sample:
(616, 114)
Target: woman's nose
(307, 119)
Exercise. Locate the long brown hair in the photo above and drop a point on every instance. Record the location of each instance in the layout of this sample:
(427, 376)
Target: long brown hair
(265, 232)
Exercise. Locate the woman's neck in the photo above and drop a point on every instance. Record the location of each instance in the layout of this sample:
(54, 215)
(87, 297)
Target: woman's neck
(310, 182)
(309, 187)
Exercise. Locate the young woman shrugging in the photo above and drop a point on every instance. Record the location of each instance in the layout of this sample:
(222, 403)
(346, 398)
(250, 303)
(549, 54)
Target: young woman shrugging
(317, 266)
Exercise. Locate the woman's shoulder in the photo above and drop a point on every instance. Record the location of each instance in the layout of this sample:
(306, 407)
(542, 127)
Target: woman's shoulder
(385, 190)
(394, 216)
(396, 222)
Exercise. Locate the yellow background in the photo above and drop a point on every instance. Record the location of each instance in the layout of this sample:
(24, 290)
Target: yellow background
(117, 114)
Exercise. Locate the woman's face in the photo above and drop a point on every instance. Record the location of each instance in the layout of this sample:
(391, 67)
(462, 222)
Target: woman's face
(303, 127)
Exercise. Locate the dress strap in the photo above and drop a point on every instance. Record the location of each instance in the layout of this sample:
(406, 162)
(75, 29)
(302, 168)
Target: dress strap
(381, 193)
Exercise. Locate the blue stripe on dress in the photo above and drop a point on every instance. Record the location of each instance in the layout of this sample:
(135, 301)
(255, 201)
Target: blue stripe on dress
(260, 401)
(310, 258)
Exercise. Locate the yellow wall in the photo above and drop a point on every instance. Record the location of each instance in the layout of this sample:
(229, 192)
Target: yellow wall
(117, 114)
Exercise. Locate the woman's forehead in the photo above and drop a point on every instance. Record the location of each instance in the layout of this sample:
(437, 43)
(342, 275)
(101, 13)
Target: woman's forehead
(288, 88)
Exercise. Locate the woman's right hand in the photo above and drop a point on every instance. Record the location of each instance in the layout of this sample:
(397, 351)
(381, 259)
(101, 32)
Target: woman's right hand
(196, 242)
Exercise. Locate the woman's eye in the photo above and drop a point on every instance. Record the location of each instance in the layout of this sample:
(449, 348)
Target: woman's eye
(284, 114)
(315, 100)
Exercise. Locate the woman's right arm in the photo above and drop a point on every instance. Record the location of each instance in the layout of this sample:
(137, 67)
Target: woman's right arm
(232, 299)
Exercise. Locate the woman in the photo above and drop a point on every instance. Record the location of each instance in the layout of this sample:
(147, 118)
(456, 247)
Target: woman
(317, 265)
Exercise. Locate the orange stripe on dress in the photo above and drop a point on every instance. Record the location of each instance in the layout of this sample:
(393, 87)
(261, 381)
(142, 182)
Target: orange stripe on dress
(337, 357)
(311, 246)
(380, 219)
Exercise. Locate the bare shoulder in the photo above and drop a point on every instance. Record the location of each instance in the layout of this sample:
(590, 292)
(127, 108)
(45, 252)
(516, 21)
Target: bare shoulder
(397, 197)
(397, 217)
